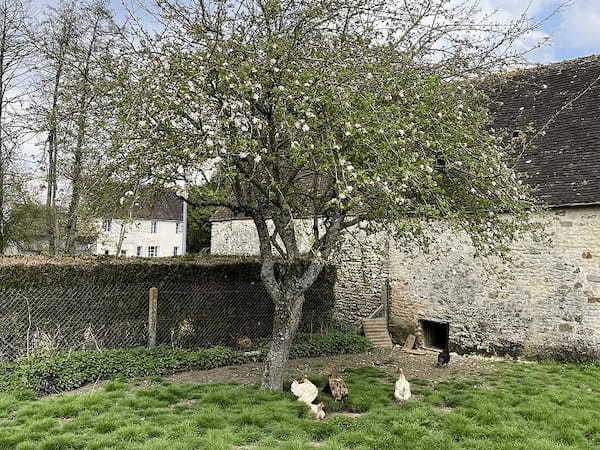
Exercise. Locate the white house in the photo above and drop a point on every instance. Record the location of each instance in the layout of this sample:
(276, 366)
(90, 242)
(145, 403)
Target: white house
(155, 230)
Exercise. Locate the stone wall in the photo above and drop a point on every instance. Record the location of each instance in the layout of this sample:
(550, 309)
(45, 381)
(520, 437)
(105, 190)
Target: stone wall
(362, 274)
(362, 264)
(546, 302)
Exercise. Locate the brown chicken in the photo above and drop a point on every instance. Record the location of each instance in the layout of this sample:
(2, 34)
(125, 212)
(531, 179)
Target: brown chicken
(245, 343)
(337, 386)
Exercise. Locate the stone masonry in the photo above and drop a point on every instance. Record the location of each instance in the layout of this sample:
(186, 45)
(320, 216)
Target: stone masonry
(544, 302)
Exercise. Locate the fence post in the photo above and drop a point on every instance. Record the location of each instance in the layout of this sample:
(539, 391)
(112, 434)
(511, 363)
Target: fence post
(152, 307)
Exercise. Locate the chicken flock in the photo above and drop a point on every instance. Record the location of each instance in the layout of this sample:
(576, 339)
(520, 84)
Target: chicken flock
(306, 392)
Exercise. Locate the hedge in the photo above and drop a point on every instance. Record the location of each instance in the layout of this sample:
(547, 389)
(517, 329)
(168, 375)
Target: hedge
(103, 303)
(61, 371)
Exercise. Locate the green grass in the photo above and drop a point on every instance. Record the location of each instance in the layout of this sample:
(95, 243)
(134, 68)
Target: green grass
(58, 371)
(537, 406)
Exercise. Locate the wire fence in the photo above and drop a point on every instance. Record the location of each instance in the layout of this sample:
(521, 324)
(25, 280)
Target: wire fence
(238, 313)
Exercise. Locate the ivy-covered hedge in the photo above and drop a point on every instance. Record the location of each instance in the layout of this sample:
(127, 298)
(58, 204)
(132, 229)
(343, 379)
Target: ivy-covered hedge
(61, 371)
(103, 303)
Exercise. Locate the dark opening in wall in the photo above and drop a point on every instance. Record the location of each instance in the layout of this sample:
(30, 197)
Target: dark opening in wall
(435, 334)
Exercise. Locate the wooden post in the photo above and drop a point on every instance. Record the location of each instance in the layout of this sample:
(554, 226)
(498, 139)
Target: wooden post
(152, 307)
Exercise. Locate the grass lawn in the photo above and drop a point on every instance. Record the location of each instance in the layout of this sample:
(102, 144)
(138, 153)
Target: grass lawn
(518, 406)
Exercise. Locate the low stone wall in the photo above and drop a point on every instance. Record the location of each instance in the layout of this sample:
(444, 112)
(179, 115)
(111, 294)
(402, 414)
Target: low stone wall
(545, 303)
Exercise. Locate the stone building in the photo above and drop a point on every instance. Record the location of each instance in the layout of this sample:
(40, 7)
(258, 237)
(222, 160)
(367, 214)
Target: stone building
(546, 301)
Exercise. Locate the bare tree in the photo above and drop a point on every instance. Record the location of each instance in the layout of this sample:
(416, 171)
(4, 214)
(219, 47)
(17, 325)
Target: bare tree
(14, 52)
(95, 42)
(71, 42)
(53, 39)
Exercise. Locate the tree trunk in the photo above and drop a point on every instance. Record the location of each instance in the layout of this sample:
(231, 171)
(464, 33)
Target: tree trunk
(2, 152)
(286, 319)
(122, 232)
(52, 219)
(287, 291)
(73, 214)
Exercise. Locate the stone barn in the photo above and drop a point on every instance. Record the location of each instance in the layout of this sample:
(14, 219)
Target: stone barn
(546, 301)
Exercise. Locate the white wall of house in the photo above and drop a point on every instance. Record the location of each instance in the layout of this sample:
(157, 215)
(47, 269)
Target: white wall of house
(167, 239)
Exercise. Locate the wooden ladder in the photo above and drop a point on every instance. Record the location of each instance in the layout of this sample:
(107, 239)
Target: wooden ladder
(376, 332)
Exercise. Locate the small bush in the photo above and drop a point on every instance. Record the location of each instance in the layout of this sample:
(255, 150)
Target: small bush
(61, 371)
(333, 343)
(567, 352)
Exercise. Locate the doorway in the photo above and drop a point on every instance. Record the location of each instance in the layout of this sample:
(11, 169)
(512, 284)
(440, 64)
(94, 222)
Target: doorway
(435, 334)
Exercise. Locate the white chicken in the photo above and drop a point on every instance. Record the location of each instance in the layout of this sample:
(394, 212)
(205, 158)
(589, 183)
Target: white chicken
(304, 391)
(402, 388)
(318, 410)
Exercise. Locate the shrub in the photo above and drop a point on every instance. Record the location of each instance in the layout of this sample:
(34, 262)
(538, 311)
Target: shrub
(568, 352)
(332, 343)
(103, 302)
(61, 371)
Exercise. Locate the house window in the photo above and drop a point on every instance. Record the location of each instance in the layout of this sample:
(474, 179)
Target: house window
(178, 227)
(152, 251)
(106, 225)
(175, 251)
(139, 251)
(123, 252)
(153, 226)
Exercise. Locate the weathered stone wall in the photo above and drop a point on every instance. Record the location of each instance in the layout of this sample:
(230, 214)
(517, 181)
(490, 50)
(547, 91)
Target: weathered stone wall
(234, 237)
(362, 274)
(546, 302)
(362, 264)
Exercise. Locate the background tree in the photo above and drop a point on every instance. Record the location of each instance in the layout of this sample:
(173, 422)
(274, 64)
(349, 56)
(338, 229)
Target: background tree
(71, 43)
(321, 119)
(96, 39)
(199, 226)
(14, 59)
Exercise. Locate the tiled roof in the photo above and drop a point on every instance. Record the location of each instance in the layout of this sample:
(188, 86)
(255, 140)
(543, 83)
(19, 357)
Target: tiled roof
(162, 206)
(561, 102)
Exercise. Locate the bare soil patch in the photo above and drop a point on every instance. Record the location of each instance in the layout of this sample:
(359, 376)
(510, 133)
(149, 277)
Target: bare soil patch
(415, 367)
